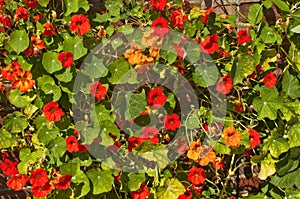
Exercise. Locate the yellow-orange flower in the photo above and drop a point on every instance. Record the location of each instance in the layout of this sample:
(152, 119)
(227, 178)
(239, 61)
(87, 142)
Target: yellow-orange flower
(154, 52)
(206, 156)
(232, 137)
(194, 151)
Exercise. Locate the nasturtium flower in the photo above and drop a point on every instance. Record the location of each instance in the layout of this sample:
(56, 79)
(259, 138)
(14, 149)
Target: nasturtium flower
(151, 134)
(22, 80)
(49, 30)
(80, 24)
(31, 3)
(141, 193)
(206, 15)
(232, 137)
(206, 156)
(17, 182)
(254, 137)
(9, 167)
(210, 44)
(224, 85)
(42, 191)
(5, 21)
(186, 195)
(270, 80)
(243, 37)
(156, 98)
(63, 182)
(8, 71)
(172, 122)
(238, 106)
(72, 144)
(178, 18)
(159, 4)
(219, 163)
(66, 59)
(21, 13)
(98, 90)
(196, 176)
(37, 42)
(194, 150)
(38, 177)
(134, 142)
(160, 26)
(52, 112)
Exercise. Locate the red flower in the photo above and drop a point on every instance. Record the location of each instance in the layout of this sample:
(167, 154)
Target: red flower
(31, 3)
(177, 19)
(270, 80)
(156, 98)
(150, 133)
(196, 176)
(134, 142)
(72, 144)
(224, 85)
(238, 106)
(160, 26)
(5, 20)
(42, 191)
(63, 182)
(222, 53)
(80, 24)
(38, 17)
(37, 42)
(22, 80)
(8, 71)
(206, 15)
(210, 44)
(52, 112)
(179, 50)
(66, 59)
(159, 4)
(98, 90)
(49, 30)
(21, 13)
(186, 195)
(172, 122)
(38, 177)
(8, 167)
(219, 164)
(254, 137)
(142, 193)
(17, 182)
(243, 37)
(197, 189)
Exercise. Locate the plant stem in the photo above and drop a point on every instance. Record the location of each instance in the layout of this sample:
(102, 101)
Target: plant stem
(228, 177)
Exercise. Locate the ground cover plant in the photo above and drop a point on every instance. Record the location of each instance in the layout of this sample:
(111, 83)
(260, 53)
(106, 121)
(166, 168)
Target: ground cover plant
(149, 99)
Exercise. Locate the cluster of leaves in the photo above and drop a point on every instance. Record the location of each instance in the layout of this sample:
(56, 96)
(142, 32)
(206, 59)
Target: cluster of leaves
(72, 115)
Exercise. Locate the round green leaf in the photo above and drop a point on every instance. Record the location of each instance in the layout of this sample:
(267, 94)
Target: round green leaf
(5, 139)
(50, 62)
(294, 136)
(66, 76)
(117, 69)
(171, 189)
(18, 41)
(19, 99)
(45, 135)
(268, 35)
(52, 89)
(75, 46)
(102, 180)
(255, 13)
(135, 180)
(276, 146)
(244, 67)
(15, 123)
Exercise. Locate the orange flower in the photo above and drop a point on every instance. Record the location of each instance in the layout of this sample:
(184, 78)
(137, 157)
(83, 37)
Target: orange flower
(232, 137)
(154, 52)
(23, 80)
(206, 156)
(194, 151)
